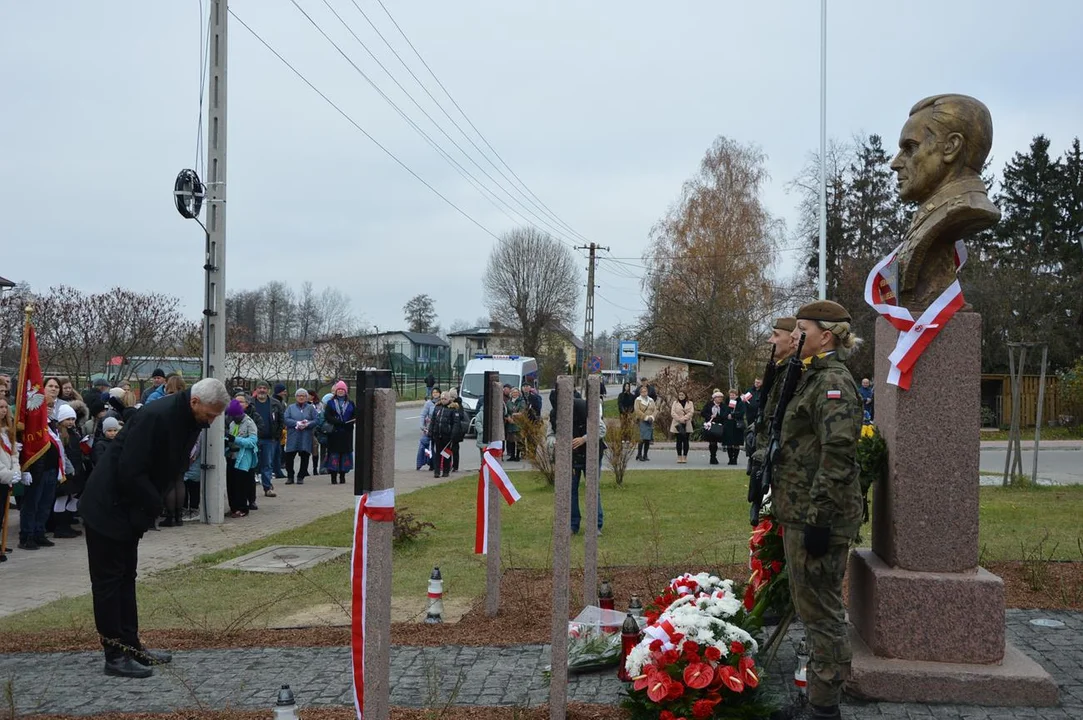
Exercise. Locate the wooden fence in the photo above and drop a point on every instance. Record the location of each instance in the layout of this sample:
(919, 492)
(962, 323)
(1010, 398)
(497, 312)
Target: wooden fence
(997, 394)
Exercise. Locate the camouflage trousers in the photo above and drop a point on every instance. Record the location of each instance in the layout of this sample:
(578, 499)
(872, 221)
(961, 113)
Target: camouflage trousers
(816, 589)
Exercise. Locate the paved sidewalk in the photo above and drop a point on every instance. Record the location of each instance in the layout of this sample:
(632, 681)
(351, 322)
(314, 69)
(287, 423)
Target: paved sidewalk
(72, 683)
(32, 579)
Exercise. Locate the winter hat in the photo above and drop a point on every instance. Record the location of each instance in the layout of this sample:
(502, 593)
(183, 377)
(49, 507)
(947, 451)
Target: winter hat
(110, 423)
(158, 373)
(279, 388)
(66, 412)
(117, 393)
(340, 385)
(326, 398)
(717, 393)
(101, 383)
(96, 407)
(235, 409)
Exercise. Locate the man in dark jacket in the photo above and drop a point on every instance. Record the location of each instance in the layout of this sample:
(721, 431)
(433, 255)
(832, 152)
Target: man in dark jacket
(270, 411)
(122, 498)
(284, 402)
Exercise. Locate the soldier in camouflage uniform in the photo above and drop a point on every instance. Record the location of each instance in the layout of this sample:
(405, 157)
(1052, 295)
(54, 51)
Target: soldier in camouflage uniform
(817, 498)
(782, 340)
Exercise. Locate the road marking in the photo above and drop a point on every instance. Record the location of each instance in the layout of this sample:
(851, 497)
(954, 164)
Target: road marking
(412, 417)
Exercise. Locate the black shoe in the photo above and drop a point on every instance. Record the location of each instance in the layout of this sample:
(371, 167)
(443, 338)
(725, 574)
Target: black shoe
(289, 481)
(152, 657)
(28, 544)
(714, 461)
(178, 518)
(253, 506)
(300, 481)
(44, 542)
(125, 666)
(168, 522)
(67, 533)
(446, 473)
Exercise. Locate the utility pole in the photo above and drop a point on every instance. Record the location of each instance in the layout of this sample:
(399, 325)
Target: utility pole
(213, 505)
(588, 323)
(823, 151)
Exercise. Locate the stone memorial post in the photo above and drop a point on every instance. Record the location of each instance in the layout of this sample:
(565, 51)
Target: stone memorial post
(493, 432)
(590, 502)
(375, 470)
(929, 622)
(562, 532)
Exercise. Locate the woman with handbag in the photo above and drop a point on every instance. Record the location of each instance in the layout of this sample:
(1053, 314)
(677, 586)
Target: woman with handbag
(713, 422)
(682, 412)
(645, 410)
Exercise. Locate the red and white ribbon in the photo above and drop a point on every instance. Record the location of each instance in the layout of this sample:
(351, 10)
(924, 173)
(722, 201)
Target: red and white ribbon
(490, 472)
(662, 630)
(914, 336)
(377, 506)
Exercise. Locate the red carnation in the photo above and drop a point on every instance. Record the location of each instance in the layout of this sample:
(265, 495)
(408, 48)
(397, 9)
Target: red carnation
(776, 566)
(712, 653)
(669, 657)
(750, 597)
(651, 616)
(667, 715)
(703, 709)
(731, 679)
(737, 648)
(655, 645)
(676, 690)
(698, 675)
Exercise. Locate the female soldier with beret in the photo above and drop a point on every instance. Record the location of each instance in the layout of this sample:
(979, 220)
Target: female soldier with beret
(817, 497)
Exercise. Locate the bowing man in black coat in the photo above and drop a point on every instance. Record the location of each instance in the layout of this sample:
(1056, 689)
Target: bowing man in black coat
(122, 499)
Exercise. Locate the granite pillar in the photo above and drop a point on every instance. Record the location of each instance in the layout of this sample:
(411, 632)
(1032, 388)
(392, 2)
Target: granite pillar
(562, 532)
(494, 422)
(590, 501)
(928, 622)
(378, 590)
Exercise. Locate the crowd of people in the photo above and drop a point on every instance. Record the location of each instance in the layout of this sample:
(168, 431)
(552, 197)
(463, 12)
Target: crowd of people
(445, 424)
(266, 439)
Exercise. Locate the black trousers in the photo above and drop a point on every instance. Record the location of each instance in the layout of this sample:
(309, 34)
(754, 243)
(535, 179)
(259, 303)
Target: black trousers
(239, 484)
(304, 464)
(682, 444)
(112, 581)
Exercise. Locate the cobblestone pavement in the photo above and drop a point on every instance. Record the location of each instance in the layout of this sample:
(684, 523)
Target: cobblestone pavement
(72, 683)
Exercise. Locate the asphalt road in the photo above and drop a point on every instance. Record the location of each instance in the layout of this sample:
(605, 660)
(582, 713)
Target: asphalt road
(1056, 465)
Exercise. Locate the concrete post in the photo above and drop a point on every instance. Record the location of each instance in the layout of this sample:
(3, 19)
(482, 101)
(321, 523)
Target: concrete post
(590, 502)
(562, 531)
(494, 432)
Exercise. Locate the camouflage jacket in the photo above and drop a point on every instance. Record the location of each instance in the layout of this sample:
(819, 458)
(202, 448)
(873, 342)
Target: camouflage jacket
(816, 473)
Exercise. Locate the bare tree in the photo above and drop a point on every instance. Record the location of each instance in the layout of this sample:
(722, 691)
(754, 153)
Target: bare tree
(334, 312)
(532, 282)
(308, 313)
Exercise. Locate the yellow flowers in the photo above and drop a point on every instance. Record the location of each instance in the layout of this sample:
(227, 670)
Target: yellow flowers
(868, 430)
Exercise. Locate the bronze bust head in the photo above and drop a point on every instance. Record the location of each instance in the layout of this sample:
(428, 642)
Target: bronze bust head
(942, 149)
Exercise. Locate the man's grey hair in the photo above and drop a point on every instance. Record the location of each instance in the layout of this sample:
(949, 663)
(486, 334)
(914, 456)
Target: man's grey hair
(212, 392)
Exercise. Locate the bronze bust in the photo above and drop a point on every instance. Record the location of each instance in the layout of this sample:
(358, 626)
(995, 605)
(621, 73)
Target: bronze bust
(942, 149)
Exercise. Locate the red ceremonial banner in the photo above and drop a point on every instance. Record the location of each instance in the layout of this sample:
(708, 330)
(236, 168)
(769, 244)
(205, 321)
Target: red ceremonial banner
(31, 414)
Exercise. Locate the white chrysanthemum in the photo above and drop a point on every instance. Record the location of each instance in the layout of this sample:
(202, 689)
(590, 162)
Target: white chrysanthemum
(637, 658)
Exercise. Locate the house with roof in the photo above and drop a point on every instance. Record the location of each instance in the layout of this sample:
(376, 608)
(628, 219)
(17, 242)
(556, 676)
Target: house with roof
(412, 354)
(651, 365)
(495, 338)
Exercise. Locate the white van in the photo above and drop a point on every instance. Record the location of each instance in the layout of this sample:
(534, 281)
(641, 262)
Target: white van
(514, 370)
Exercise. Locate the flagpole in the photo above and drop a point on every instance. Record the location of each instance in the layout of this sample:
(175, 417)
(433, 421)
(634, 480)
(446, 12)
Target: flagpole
(20, 397)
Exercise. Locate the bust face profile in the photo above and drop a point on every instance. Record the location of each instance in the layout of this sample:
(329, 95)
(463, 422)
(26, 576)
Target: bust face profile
(947, 137)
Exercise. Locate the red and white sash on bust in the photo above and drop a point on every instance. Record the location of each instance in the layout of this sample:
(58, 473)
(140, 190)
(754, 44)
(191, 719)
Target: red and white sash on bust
(914, 335)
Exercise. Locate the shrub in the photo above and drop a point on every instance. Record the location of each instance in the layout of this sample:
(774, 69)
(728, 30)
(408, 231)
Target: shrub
(407, 528)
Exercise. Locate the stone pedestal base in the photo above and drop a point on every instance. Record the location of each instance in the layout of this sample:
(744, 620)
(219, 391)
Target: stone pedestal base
(1015, 681)
(945, 617)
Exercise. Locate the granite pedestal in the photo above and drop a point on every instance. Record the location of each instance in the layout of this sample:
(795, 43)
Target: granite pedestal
(929, 623)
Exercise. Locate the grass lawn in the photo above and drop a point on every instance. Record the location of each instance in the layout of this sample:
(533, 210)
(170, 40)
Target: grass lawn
(693, 518)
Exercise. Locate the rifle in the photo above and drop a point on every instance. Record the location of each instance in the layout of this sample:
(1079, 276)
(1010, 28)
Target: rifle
(750, 436)
(760, 484)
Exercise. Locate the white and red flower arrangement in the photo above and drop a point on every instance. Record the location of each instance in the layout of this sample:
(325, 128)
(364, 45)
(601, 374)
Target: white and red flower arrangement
(696, 660)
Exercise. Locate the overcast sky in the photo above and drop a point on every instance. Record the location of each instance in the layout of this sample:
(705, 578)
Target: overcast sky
(602, 108)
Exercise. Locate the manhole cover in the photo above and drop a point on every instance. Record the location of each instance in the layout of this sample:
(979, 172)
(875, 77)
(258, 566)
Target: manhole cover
(1047, 622)
(283, 558)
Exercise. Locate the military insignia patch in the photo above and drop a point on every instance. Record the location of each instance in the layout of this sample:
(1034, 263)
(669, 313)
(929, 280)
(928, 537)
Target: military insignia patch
(834, 394)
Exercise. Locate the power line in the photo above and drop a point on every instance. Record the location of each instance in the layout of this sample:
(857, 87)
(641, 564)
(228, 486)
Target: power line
(619, 307)
(474, 127)
(437, 125)
(456, 165)
(364, 132)
(540, 207)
